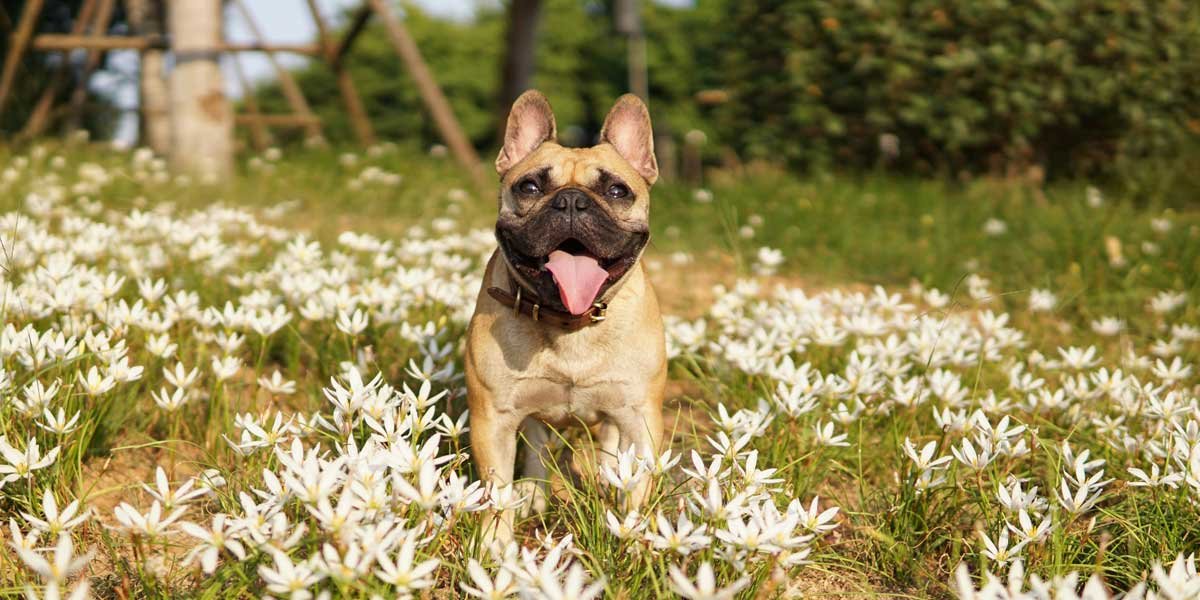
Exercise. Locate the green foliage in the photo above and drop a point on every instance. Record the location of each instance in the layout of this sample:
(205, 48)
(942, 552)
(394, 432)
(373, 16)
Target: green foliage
(987, 84)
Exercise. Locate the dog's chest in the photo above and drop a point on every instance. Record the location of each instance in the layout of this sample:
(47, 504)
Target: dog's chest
(572, 382)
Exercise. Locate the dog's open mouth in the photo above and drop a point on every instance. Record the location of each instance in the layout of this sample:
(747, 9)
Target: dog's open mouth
(579, 274)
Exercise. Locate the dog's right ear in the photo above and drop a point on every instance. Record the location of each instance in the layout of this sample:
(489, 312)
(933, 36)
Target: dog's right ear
(530, 122)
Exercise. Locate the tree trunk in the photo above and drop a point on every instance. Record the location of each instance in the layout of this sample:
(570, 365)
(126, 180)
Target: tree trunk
(519, 55)
(201, 117)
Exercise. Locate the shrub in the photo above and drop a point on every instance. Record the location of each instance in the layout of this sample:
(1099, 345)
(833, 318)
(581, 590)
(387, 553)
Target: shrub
(1068, 85)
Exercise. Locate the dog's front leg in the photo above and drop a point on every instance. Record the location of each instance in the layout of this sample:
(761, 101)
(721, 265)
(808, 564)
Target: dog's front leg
(640, 428)
(494, 446)
(535, 470)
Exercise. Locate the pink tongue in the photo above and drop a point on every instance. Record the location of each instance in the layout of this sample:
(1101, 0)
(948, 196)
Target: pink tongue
(579, 279)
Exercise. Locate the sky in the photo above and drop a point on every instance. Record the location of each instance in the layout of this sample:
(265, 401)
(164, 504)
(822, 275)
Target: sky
(281, 22)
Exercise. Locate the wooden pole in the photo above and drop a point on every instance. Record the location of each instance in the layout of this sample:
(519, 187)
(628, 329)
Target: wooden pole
(308, 49)
(354, 106)
(357, 24)
(146, 17)
(94, 56)
(431, 94)
(276, 120)
(259, 135)
(63, 41)
(201, 116)
(287, 84)
(18, 43)
(40, 115)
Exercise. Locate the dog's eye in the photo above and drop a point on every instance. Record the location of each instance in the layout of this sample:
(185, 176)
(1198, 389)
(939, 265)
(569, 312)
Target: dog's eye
(529, 187)
(617, 190)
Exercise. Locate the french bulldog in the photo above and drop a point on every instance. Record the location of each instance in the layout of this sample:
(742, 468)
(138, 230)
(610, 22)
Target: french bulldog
(567, 329)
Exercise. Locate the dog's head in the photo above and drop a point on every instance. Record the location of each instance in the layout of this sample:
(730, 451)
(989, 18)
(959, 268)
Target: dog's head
(573, 221)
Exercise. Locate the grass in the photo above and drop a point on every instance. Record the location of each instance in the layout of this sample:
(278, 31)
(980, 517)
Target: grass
(839, 235)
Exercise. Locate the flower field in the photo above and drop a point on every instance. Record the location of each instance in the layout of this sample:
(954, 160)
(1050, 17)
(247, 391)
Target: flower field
(214, 389)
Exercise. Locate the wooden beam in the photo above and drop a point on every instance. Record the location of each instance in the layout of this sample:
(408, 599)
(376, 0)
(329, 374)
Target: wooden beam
(276, 120)
(287, 84)
(431, 94)
(66, 41)
(319, 22)
(307, 49)
(357, 24)
(354, 106)
(78, 99)
(18, 43)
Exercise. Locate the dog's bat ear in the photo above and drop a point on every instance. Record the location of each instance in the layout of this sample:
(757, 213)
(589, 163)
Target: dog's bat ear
(530, 122)
(627, 128)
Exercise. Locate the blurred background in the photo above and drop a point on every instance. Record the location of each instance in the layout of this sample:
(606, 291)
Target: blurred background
(1040, 89)
(1042, 144)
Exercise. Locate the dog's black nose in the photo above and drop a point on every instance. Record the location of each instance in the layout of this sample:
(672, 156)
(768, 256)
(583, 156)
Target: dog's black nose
(571, 198)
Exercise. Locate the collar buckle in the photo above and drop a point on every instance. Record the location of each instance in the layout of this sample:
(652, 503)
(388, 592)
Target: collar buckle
(600, 313)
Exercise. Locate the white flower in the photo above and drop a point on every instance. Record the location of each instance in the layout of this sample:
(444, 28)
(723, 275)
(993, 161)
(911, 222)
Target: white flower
(226, 367)
(682, 537)
(62, 566)
(152, 524)
(180, 377)
(352, 324)
(220, 537)
(94, 383)
(826, 437)
(170, 401)
(277, 385)
(180, 496)
(161, 345)
(1154, 478)
(503, 586)
(925, 461)
(1108, 326)
(1000, 550)
(1027, 531)
(55, 521)
(405, 573)
(1042, 300)
(58, 423)
(290, 579)
(1176, 371)
(705, 586)
(627, 528)
(21, 464)
(627, 473)
(768, 260)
